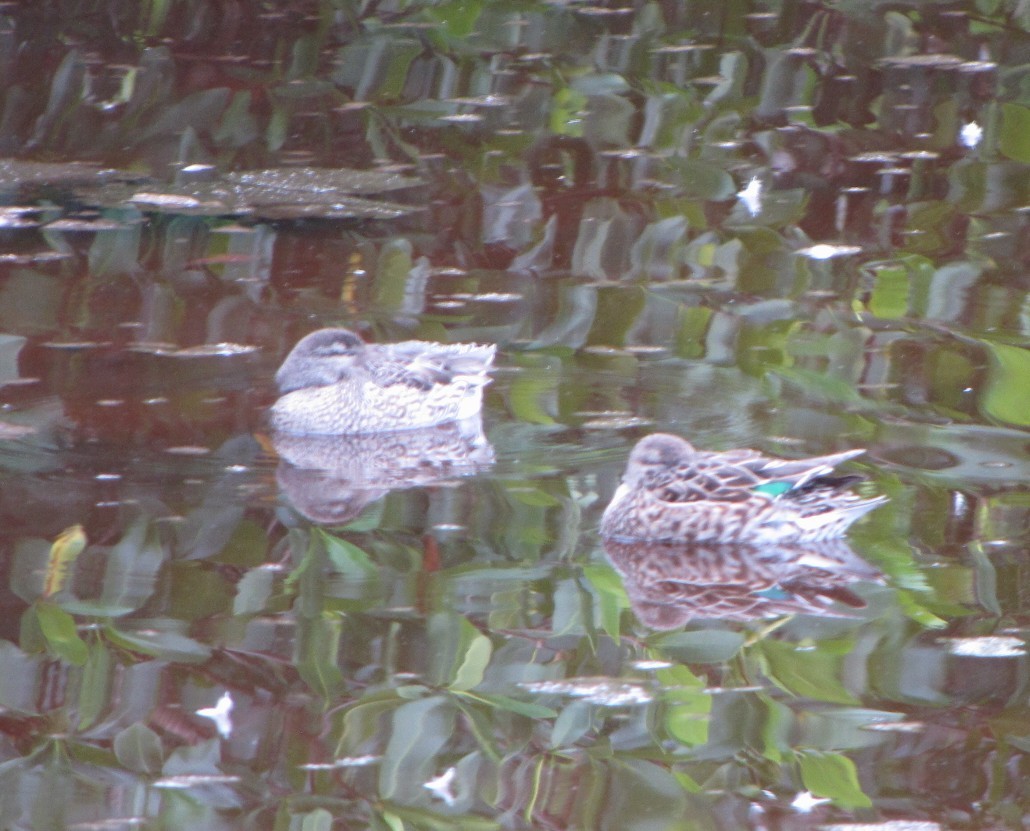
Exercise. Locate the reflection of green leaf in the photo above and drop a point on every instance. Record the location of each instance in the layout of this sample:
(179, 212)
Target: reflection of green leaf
(818, 385)
(1007, 396)
(95, 687)
(62, 636)
(575, 719)
(809, 673)
(458, 16)
(525, 395)
(318, 649)
(687, 720)
(611, 597)
(138, 748)
(401, 818)
(919, 613)
(687, 716)
(512, 705)
(347, 558)
(419, 732)
(458, 652)
(318, 820)
(703, 180)
(362, 723)
(710, 646)
(833, 776)
(889, 298)
(1015, 132)
(567, 112)
(469, 673)
(163, 644)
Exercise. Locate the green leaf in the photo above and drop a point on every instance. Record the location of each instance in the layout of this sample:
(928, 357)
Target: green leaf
(138, 749)
(1014, 139)
(61, 634)
(833, 776)
(1007, 394)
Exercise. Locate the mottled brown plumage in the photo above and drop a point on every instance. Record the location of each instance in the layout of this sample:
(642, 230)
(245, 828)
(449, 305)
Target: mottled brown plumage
(672, 492)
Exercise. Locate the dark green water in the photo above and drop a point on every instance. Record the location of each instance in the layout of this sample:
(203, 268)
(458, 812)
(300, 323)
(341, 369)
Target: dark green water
(793, 227)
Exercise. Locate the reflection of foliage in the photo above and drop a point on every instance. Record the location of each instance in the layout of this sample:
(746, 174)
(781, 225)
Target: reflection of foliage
(406, 661)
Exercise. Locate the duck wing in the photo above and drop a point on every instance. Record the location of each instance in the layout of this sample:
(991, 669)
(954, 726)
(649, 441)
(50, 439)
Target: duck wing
(798, 472)
(734, 475)
(422, 365)
(711, 477)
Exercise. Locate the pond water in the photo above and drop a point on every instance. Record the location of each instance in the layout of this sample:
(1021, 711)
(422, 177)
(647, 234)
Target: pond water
(795, 227)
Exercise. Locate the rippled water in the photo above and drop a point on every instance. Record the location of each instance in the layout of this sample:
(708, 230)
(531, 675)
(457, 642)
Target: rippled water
(797, 229)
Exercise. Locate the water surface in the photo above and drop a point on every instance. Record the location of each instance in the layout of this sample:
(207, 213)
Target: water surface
(789, 227)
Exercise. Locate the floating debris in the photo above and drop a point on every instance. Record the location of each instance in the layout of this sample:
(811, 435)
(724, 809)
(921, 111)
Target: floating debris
(970, 135)
(828, 251)
(220, 714)
(168, 201)
(805, 802)
(195, 780)
(607, 692)
(988, 646)
(85, 225)
(207, 350)
(751, 196)
(442, 786)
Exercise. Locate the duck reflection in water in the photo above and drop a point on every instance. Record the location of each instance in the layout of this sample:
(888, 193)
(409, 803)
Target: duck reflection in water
(332, 479)
(669, 584)
(357, 420)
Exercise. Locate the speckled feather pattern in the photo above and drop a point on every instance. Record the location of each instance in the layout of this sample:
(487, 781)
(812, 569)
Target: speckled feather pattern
(671, 492)
(332, 383)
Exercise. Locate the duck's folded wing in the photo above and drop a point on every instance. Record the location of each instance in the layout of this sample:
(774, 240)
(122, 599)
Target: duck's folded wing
(710, 477)
(421, 365)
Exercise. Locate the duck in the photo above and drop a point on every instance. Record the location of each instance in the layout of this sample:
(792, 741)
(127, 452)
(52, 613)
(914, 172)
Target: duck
(334, 383)
(673, 492)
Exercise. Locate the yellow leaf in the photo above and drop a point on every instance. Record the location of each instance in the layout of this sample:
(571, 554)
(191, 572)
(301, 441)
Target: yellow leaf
(70, 543)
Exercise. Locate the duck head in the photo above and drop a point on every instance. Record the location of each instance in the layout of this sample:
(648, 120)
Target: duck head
(320, 359)
(654, 454)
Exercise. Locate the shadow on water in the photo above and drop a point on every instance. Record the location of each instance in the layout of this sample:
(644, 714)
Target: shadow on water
(798, 229)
